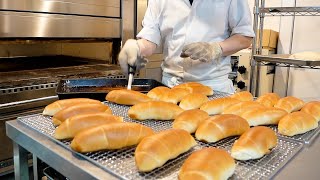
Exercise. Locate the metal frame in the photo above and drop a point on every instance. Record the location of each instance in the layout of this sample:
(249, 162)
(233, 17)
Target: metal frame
(260, 11)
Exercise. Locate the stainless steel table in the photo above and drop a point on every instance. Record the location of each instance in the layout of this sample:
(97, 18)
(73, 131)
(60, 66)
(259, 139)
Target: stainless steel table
(303, 166)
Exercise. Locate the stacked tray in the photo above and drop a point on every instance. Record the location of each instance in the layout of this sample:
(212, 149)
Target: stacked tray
(121, 162)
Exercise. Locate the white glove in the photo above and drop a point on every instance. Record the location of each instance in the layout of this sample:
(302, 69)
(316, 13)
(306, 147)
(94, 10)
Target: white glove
(130, 56)
(202, 51)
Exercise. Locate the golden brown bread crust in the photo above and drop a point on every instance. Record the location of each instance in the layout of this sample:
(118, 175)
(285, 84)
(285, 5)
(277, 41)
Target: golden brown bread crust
(127, 97)
(194, 87)
(219, 127)
(289, 104)
(208, 163)
(254, 143)
(217, 106)
(268, 99)
(189, 120)
(264, 116)
(78, 109)
(58, 105)
(157, 92)
(312, 108)
(156, 110)
(70, 127)
(296, 123)
(110, 136)
(193, 101)
(243, 96)
(174, 95)
(154, 151)
(242, 107)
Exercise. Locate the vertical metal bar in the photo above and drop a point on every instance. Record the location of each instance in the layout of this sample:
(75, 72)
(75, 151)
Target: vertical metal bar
(254, 44)
(260, 49)
(35, 167)
(129, 19)
(20, 158)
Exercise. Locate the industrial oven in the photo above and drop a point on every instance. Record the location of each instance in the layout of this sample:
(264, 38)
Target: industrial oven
(44, 41)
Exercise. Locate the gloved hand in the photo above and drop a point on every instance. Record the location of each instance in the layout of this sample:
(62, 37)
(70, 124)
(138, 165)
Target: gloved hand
(130, 55)
(202, 51)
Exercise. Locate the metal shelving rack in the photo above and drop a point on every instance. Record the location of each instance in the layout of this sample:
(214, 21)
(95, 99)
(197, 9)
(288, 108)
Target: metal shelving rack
(257, 60)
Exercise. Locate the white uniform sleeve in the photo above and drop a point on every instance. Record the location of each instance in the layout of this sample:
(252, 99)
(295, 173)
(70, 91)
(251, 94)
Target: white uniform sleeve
(150, 23)
(240, 18)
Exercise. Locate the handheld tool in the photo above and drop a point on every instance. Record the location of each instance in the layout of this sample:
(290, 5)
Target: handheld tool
(131, 72)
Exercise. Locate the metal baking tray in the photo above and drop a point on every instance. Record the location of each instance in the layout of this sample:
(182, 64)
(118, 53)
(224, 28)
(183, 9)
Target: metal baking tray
(121, 162)
(284, 59)
(98, 88)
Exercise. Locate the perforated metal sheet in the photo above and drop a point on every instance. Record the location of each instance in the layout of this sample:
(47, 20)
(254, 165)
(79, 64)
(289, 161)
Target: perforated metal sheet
(121, 162)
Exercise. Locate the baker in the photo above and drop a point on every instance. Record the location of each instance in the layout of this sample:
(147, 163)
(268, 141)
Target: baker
(198, 37)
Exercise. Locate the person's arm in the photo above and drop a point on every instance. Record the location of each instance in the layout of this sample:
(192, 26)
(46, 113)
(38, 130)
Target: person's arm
(234, 44)
(146, 47)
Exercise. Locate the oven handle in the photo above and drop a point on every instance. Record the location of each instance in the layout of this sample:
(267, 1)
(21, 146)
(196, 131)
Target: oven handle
(28, 101)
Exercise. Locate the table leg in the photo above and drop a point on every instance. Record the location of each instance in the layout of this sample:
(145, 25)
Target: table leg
(35, 167)
(20, 158)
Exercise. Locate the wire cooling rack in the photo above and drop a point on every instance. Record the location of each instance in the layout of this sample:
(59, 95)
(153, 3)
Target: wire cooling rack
(121, 162)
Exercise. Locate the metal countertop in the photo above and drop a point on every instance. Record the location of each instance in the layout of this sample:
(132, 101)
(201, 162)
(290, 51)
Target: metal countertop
(305, 165)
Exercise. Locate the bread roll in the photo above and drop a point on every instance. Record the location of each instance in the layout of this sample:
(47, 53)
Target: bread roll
(127, 97)
(268, 99)
(70, 127)
(242, 107)
(78, 109)
(289, 104)
(296, 123)
(189, 120)
(221, 126)
(243, 96)
(312, 108)
(58, 105)
(254, 143)
(174, 95)
(206, 164)
(217, 106)
(157, 110)
(157, 92)
(194, 87)
(193, 101)
(110, 136)
(154, 151)
(264, 116)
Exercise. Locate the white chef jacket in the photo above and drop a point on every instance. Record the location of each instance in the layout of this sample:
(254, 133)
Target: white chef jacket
(176, 23)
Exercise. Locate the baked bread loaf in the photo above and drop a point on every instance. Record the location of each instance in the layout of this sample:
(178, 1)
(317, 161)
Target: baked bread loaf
(268, 99)
(296, 123)
(289, 104)
(70, 127)
(264, 116)
(217, 106)
(194, 87)
(58, 105)
(306, 55)
(78, 109)
(157, 110)
(189, 120)
(242, 107)
(312, 108)
(219, 127)
(193, 101)
(110, 136)
(243, 96)
(254, 143)
(208, 163)
(127, 97)
(157, 92)
(174, 95)
(154, 151)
